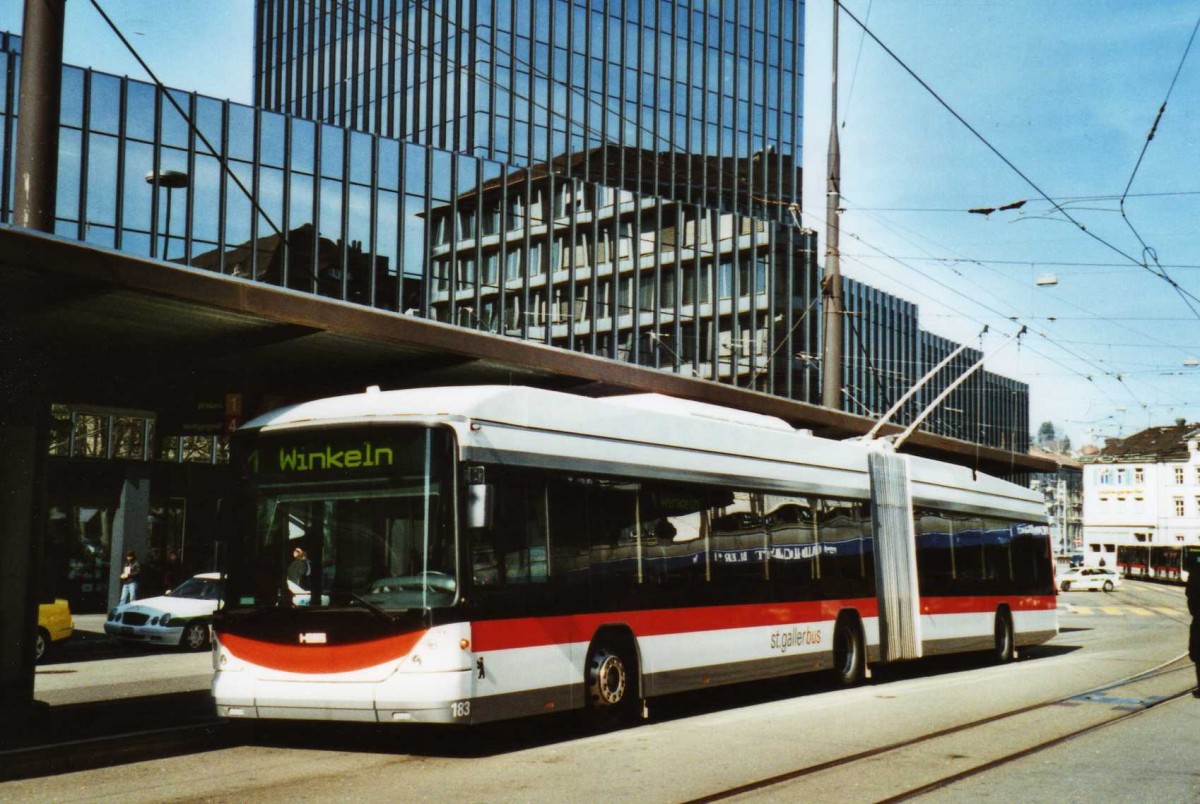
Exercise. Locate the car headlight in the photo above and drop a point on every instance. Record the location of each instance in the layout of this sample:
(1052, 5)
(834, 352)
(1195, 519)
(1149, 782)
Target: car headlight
(165, 621)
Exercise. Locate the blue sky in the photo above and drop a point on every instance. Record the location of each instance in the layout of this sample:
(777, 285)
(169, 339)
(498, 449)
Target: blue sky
(1066, 91)
(201, 45)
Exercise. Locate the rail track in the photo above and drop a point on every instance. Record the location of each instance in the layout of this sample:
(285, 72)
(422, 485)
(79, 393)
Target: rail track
(1122, 707)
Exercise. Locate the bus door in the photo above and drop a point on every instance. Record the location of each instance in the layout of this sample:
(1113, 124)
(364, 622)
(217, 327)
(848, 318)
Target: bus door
(895, 557)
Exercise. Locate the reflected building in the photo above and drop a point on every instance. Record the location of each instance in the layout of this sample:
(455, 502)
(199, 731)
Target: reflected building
(637, 192)
(631, 276)
(661, 228)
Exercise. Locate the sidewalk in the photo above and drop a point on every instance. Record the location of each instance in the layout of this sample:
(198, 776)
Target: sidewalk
(91, 667)
(92, 694)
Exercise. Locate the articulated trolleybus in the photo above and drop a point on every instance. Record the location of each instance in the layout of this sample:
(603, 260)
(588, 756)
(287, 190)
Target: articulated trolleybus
(462, 555)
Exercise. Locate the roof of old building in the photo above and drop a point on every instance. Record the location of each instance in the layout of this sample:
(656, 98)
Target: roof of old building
(1063, 460)
(1154, 443)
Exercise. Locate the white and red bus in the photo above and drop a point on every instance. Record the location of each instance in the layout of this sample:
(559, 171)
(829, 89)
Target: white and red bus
(475, 553)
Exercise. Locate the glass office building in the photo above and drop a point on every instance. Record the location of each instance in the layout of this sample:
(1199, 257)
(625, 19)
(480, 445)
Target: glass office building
(673, 262)
(694, 100)
(886, 353)
(652, 148)
(660, 229)
(637, 183)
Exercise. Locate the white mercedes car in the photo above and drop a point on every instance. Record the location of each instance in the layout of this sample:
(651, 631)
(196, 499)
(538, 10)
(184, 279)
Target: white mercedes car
(1093, 578)
(180, 617)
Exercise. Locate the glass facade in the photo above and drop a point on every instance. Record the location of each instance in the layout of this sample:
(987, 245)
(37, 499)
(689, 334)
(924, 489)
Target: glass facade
(694, 100)
(683, 254)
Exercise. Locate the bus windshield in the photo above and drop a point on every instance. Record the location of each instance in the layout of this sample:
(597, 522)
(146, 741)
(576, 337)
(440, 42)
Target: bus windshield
(348, 517)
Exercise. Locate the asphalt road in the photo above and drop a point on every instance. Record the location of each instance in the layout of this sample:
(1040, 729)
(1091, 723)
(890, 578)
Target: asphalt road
(700, 745)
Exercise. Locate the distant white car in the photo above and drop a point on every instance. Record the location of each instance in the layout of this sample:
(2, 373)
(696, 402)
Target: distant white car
(180, 617)
(1093, 578)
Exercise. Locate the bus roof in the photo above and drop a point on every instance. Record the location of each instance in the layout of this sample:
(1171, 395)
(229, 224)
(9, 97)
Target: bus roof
(537, 426)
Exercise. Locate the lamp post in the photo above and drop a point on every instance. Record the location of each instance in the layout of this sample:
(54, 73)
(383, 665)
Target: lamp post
(172, 180)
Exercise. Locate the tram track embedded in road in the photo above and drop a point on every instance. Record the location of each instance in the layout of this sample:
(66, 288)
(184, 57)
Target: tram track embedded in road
(1178, 664)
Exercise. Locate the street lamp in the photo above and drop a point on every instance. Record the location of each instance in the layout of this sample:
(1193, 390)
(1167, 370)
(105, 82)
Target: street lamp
(172, 180)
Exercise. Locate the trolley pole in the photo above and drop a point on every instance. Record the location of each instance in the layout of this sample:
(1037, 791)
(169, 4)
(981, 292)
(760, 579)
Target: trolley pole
(831, 283)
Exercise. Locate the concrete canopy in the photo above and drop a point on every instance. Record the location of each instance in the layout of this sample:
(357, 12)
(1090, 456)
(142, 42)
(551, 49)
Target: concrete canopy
(110, 328)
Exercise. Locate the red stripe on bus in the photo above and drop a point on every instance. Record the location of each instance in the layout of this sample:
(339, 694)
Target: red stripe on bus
(310, 659)
(976, 605)
(531, 632)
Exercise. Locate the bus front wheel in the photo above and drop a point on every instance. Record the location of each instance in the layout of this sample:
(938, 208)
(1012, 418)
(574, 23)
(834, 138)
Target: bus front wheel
(612, 686)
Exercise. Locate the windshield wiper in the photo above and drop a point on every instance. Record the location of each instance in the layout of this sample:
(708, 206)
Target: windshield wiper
(369, 605)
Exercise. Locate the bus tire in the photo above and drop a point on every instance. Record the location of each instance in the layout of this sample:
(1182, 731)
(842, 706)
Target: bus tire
(849, 657)
(1005, 648)
(612, 682)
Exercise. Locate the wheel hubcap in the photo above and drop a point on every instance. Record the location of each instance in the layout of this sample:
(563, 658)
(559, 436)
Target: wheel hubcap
(609, 683)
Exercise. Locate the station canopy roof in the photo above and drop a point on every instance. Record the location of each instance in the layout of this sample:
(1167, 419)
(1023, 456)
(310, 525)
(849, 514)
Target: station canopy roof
(105, 327)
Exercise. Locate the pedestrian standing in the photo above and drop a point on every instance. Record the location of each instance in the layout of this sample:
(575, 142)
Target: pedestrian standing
(1193, 601)
(130, 571)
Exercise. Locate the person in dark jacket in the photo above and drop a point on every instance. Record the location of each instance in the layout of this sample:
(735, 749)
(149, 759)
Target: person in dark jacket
(1193, 601)
(300, 570)
(130, 571)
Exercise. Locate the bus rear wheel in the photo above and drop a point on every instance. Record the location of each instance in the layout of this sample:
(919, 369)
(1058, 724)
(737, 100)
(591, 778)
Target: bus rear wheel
(1005, 649)
(849, 658)
(612, 687)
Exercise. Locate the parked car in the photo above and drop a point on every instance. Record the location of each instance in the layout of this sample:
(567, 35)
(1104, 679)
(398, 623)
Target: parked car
(180, 617)
(1093, 578)
(54, 625)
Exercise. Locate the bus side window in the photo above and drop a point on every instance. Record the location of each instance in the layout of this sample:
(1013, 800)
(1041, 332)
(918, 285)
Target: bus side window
(738, 542)
(570, 543)
(613, 526)
(935, 553)
(841, 546)
(969, 539)
(513, 551)
(998, 552)
(793, 530)
(673, 550)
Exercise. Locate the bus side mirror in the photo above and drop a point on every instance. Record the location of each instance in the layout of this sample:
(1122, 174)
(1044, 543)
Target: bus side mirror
(480, 504)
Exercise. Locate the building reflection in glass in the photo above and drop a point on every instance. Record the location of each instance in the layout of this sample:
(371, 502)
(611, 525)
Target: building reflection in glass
(688, 263)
